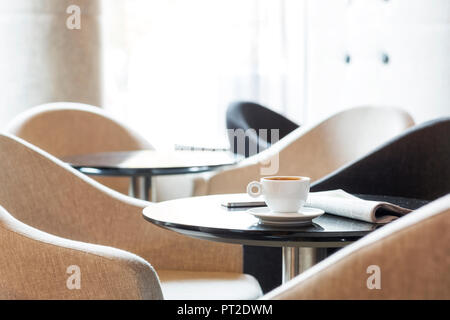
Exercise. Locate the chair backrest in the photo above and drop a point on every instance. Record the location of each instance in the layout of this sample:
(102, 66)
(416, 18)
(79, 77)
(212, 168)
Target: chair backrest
(318, 149)
(38, 265)
(406, 259)
(66, 128)
(415, 164)
(249, 115)
(42, 192)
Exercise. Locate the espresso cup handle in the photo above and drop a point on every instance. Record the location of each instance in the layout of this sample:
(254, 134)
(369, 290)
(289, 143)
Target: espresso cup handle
(254, 184)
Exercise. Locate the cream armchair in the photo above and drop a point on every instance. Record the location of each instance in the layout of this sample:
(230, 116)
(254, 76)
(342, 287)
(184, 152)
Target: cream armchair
(41, 191)
(37, 265)
(69, 128)
(406, 259)
(315, 150)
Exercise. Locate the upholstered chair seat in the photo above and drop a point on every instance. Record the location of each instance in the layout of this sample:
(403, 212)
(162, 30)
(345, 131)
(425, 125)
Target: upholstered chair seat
(191, 285)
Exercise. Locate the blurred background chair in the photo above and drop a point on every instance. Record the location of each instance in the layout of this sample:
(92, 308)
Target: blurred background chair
(415, 164)
(67, 128)
(35, 264)
(249, 115)
(412, 255)
(41, 191)
(312, 151)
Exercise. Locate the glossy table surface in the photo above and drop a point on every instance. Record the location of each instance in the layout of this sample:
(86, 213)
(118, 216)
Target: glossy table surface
(205, 218)
(150, 162)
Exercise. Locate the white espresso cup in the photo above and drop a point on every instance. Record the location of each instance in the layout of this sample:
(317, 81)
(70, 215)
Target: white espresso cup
(281, 193)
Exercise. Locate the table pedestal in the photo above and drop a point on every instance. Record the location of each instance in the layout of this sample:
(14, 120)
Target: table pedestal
(296, 260)
(140, 187)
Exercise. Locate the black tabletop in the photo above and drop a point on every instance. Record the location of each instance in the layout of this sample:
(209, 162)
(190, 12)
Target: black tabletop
(205, 218)
(150, 162)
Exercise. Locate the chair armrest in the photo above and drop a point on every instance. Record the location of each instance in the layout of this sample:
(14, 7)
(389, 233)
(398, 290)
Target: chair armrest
(38, 265)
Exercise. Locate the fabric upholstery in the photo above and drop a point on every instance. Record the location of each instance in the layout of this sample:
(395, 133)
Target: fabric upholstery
(66, 128)
(412, 254)
(45, 193)
(43, 60)
(248, 115)
(34, 264)
(415, 164)
(189, 285)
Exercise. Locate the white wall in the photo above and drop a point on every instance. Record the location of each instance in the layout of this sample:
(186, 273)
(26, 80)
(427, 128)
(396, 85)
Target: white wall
(415, 35)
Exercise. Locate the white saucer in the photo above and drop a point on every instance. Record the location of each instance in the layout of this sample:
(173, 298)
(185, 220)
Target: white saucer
(302, 217)
(285, 223)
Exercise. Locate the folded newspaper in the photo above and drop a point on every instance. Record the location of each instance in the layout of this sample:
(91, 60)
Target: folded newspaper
(341, 203)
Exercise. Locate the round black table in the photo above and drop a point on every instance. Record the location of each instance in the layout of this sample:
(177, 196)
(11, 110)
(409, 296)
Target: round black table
(142, 165)
(205, 218)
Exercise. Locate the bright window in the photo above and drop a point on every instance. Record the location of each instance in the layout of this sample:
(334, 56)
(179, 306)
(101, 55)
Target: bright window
(171, 67)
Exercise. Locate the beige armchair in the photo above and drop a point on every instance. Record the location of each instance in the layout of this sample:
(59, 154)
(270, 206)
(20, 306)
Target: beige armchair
(41, 191)
(315, 150)
(68, 128)
(37, 265)
(412, 254)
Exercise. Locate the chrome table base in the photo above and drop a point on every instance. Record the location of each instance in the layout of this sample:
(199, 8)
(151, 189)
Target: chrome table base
(141, 188)
(296, 260)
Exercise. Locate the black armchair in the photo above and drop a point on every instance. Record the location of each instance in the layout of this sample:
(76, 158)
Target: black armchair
(416, 164)
(248, 115)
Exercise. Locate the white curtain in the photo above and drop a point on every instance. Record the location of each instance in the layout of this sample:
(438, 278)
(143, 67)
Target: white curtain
(172, 66)
(41, 60)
